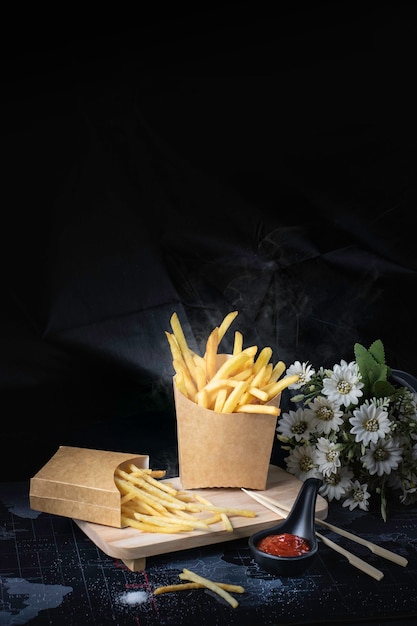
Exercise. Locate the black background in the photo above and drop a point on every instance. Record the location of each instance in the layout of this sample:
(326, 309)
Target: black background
(198, 161)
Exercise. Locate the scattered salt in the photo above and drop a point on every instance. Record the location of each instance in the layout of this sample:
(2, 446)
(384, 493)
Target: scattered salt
(133, 597)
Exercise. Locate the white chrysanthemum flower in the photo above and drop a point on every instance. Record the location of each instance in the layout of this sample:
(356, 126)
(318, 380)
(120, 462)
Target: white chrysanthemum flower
(343, 386)
(302, 462)
(370, 423)
(328, 456)
(336, 484)
(325, 415)
(295, 424)
(352, 366)
(304, 371)
(357, 495)
(382, 457)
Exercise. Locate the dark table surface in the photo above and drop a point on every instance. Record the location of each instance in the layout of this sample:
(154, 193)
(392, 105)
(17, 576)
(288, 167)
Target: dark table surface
(51, 573)
(304, 220)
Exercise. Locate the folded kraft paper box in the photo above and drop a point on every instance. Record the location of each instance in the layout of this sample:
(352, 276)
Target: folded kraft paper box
(79, 483)
(223, 449)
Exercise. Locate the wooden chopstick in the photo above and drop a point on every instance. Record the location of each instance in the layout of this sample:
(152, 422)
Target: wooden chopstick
(352, 558)
(378, 550)
(267, 503)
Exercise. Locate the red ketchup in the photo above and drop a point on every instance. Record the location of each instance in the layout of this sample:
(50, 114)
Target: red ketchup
(285, 544)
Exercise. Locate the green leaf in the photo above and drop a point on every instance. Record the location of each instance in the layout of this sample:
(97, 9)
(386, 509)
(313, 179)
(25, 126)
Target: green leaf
(373, 369)
(382, 389)
(377, 351)
(366, 363)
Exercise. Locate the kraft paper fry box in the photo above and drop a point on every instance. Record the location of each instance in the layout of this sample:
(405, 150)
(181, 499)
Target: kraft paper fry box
(79, 483)
(223, 449)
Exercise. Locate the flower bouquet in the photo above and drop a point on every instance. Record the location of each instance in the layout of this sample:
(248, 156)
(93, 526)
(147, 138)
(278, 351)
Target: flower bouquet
(355, 427)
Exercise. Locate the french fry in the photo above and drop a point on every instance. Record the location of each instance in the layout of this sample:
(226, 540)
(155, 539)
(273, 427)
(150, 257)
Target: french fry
(263, 359)
(153, 528)
(220, 400)
(180, 382)
(238, 342)
(182, 343)
(227, 523)
(268, 372)
(225, 519)
(275, 388)
(258, 393)
(226, 323)
(166, 520)
(259, 378)
(230, 511)
(211, 353)
(150, 476)
(146, 471)
(277, 371)
(186, 574)
(200, 377)
(199, 361)
(188, 382)
(266, 409)
(246, 374)
(202, 398)
(233, 399)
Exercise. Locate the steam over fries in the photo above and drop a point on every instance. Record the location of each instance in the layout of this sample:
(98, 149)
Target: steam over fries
(244, 383)
(150, 505)
(199, 582)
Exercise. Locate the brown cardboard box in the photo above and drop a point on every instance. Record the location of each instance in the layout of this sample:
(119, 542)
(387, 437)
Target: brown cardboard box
(223, 449)
(79, 483)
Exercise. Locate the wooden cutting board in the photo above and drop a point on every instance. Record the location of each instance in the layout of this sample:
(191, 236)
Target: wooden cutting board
(133, 546)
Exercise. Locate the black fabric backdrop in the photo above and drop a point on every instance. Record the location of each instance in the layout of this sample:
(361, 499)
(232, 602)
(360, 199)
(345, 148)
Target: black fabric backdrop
(198, 162)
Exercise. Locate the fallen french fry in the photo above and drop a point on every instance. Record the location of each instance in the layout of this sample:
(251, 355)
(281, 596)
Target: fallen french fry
(188, 575)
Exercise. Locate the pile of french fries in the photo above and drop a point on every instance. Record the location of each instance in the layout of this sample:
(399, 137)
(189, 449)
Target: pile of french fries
(154, 506)
(244, 383)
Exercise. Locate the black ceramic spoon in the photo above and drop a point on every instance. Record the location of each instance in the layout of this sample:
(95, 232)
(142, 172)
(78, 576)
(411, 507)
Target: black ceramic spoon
(300, 521)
